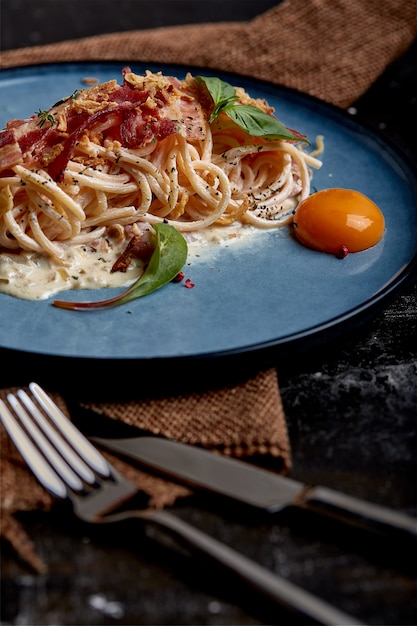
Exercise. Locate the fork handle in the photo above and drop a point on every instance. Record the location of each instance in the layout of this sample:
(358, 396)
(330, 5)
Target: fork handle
(277, 589)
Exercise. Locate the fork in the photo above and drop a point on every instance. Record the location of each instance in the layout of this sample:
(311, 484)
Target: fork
(70, 468)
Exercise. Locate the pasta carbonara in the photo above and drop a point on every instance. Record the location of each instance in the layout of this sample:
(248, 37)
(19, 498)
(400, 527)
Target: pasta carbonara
(84, 179)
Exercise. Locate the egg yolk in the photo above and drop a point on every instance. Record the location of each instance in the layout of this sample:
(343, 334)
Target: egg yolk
(338, 221)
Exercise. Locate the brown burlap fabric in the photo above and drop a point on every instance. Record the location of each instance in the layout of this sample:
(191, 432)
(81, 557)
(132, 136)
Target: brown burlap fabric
(332, 49)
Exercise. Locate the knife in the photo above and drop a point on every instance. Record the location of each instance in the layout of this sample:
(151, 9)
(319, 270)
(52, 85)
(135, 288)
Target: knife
(242, 482)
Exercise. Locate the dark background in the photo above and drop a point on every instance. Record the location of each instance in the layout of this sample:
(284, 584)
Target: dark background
(34, 22)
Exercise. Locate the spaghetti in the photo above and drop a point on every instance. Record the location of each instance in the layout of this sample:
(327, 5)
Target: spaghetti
(113, 160)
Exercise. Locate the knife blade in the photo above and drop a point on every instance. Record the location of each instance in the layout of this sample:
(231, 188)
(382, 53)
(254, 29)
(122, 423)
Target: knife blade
(245, 483)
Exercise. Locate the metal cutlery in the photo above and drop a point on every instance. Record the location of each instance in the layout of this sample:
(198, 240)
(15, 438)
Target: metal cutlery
(70, 468)
(240, 481)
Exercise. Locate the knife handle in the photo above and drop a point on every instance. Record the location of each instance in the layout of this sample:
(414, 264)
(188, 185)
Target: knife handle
(360, 513)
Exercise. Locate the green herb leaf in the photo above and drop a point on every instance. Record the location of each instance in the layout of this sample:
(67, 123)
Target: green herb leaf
(45, 116)
(249, 118)
(73, 96)
(169, 256)
(260, 124)
(222, 93)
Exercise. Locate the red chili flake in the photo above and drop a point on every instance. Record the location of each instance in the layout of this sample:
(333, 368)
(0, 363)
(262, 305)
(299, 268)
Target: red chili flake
(189, 284)
(342, 252)
(178, 278)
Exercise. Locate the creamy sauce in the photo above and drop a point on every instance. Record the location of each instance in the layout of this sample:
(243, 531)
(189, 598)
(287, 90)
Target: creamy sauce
(218, 236)
(32, 276)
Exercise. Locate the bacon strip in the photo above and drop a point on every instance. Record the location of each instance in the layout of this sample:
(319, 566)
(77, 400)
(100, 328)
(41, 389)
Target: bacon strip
(10, 152)
(141, 110)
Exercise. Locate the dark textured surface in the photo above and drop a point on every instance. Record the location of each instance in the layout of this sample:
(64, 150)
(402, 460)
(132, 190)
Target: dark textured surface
(48, 21)
(351, 411)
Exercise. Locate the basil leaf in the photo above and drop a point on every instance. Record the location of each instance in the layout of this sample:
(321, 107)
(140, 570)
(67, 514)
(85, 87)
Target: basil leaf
(167, 260)
(221, 92)
(247, 116)
(168, 257)
(260, 124)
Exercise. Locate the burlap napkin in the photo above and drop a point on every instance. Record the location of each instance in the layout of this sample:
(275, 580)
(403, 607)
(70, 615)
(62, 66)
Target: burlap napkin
(332, 49)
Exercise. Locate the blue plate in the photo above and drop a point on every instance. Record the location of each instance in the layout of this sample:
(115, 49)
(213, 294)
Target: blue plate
(266, 292)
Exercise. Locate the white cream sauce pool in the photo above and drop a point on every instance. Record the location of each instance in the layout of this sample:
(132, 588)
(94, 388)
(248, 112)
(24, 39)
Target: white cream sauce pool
(32, 276)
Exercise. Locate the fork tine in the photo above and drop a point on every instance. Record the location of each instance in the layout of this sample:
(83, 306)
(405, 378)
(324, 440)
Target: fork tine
(71, 459)
(80, 443)
(56, 461)
(41, 469)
